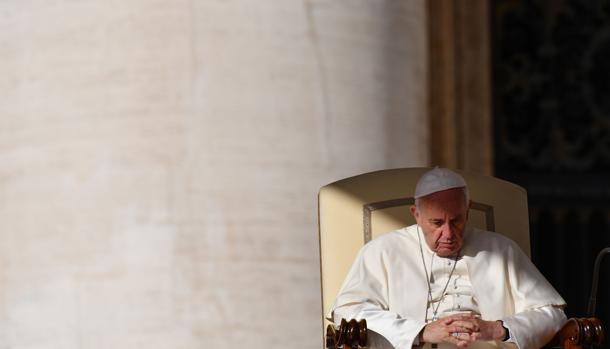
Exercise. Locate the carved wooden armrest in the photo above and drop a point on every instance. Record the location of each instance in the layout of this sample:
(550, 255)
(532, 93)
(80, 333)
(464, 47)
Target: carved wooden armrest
(350, 334)
(579, 332)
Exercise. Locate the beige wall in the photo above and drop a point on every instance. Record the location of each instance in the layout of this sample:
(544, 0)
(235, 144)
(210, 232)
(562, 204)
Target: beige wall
(160, 160)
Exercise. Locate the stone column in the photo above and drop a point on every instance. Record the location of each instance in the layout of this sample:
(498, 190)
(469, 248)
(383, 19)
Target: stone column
(160, 160)
(460, 85)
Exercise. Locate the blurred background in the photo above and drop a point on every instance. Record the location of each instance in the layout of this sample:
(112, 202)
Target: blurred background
(160, 160)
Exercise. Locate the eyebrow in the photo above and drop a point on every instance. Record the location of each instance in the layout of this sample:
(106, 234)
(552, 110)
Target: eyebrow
(434, 220)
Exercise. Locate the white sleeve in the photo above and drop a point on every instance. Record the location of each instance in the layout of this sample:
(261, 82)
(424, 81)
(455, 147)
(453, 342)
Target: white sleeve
(364, 295)
(532, 329)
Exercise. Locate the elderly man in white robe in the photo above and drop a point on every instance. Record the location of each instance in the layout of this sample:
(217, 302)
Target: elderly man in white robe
(439, 284)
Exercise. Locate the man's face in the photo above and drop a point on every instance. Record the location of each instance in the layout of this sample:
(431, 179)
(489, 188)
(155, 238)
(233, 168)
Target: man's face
(442, 217)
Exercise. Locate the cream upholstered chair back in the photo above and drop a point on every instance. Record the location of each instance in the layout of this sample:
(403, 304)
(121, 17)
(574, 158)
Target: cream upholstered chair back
(355, 210)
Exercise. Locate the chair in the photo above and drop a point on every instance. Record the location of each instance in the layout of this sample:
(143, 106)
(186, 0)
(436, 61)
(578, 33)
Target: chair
(355, 210)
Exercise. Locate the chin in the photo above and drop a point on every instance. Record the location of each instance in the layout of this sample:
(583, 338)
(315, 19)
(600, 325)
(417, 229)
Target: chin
(445, 252)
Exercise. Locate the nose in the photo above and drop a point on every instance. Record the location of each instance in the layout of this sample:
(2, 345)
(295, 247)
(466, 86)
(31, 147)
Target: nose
(447, 233)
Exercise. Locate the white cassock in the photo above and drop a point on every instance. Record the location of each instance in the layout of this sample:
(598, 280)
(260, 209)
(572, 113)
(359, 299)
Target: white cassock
(387, 286)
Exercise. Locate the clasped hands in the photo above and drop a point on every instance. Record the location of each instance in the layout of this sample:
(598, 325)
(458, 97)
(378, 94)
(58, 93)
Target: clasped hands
(462, 329)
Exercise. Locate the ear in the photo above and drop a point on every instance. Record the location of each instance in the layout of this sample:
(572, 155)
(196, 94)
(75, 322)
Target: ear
(414, 212)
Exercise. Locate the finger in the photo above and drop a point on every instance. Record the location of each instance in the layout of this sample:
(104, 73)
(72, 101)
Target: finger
(462, 316)
(465, 337)
(462, 343)
(462, 340)
(446, 321)
(470, 326)
(454, 341)
(461, 326)
(449, 319)
(453, 328)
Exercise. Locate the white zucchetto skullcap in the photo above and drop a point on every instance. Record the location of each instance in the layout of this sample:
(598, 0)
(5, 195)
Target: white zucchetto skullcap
(438, 179)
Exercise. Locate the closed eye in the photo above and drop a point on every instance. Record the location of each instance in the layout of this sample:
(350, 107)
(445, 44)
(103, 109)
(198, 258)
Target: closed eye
(437, 222)
(456, 221)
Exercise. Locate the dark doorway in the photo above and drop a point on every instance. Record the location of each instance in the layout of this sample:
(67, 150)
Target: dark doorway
(551, 102)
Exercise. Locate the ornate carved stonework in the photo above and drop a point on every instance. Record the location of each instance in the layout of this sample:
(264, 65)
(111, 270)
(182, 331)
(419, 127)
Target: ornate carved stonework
(552, 86)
